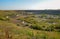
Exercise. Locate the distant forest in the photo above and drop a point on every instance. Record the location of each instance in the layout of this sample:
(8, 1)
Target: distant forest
(44, 11)
(37, 11)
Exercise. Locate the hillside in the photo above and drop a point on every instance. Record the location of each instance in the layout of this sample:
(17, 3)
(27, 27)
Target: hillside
(24, 24)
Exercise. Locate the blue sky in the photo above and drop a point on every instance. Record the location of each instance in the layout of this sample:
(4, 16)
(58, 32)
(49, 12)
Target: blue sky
(29, 4)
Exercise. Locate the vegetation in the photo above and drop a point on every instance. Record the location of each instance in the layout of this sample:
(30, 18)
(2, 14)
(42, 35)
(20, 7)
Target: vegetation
(18, 25)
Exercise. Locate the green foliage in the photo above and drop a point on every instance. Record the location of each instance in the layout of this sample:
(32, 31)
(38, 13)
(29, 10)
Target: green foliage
(37, 27)
(50, 28)
(40, 36)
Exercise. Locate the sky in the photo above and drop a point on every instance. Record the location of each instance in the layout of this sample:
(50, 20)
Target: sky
(29, 4)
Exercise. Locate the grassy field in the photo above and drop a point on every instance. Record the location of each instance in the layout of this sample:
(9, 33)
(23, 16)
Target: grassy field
(17, 25)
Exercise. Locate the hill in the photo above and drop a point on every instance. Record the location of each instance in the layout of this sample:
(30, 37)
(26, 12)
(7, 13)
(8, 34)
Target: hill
(29, 24)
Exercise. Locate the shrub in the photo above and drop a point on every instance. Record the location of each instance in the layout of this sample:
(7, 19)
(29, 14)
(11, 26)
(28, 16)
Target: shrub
(40, 36)
(37, 27)
(57, 28)
(1, 18)
(4, 19)
(50, 28)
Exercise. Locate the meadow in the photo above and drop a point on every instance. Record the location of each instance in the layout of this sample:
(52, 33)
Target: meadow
(27, 25)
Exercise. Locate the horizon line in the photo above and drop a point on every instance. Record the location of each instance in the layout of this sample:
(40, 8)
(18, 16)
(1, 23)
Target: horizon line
(32, 9)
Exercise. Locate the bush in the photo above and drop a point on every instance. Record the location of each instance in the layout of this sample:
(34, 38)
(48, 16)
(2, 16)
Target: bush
(1, 18)
(50, 28)
(36, 27)
(4, 19)
(40, 36)
(57, 28)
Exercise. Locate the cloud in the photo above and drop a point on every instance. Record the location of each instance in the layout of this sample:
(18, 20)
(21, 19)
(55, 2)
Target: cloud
(49, 4)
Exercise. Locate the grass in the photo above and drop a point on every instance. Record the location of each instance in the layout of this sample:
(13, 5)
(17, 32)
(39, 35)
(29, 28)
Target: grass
(9, 30)
(27, 33)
